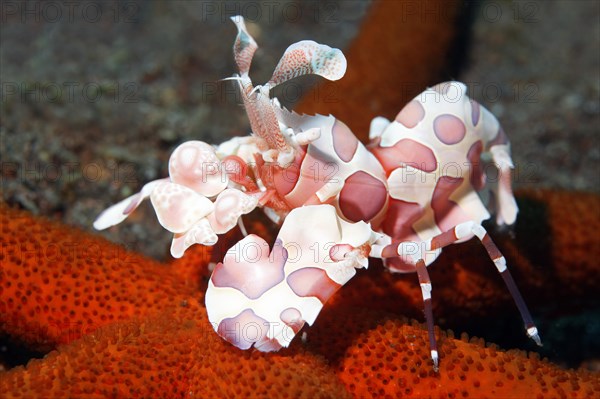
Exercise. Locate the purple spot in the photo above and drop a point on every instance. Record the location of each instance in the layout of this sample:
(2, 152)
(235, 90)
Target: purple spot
(406, 152)
(400, 217)
(500, 139)
(312, 281)
(249, 268)
(285, 179)
(345, 142)
(477, 175)
(411, 114)
(362, 197)
(246, 329)
(292, 318)
(475, 111)
(449, 129)
(446, 212)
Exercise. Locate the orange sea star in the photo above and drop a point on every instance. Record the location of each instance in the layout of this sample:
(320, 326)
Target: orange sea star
(154, 333)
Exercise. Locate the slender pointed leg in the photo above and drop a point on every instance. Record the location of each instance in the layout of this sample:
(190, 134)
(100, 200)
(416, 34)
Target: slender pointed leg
(500, 263)
(464, 230)
(425, 283)
(387, 248)
(411, 251)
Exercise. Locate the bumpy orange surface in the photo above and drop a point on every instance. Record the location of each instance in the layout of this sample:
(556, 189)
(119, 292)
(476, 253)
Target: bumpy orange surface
(172, 355)
(165, 346)
(389, 358)
(177, 355)
(58, 283)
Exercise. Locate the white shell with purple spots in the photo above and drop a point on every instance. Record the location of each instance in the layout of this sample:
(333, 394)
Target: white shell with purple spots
(432, 155)
(262, 297)
(340, 201)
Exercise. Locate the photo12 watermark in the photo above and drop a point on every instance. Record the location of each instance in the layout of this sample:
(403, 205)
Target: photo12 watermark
(71, 92)
(520, 11)
(324, 12)
(70, 172)
(52, 12)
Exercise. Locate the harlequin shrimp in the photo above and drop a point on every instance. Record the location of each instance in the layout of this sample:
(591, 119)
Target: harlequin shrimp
(412, 191)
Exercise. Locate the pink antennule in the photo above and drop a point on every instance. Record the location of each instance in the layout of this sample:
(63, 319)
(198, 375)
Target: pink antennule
(244, 46)
(309, 58)
(259, 108)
